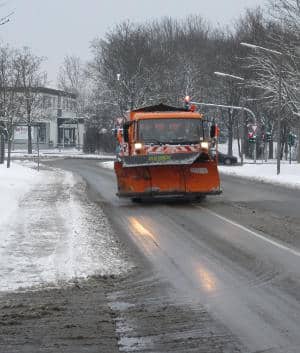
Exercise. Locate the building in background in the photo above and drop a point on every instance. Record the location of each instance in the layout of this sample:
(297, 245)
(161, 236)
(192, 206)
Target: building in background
(55, 122)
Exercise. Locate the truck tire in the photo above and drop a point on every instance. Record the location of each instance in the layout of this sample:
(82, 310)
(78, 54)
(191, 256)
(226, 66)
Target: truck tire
(227, 161)
(136, 200)
(200, 198)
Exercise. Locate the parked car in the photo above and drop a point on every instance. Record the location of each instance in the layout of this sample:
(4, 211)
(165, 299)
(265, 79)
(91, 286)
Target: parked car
(226, 159)
(222, 139)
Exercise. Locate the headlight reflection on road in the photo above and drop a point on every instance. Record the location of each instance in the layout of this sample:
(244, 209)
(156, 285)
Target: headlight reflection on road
(141, 231)
(207, 279)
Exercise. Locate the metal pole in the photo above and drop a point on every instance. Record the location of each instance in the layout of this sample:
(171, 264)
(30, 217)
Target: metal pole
(279, 115)
(244, 109)
(243, 137)
(78, 144)
(38, 147)
(2, 148)
(227, 107)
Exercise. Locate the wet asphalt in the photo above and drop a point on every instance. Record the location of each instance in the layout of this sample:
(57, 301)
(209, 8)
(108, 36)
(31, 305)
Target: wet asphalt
(236, 256)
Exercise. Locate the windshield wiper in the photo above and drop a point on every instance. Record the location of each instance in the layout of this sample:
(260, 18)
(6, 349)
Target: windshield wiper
(150, 139)
(180, 142)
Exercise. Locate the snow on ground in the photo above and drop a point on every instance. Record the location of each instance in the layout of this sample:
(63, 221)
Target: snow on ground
(289, 174)
(15, 182)
(57, 153)
(50, 233)
(107, 165)
(262, 171)
(223, 147)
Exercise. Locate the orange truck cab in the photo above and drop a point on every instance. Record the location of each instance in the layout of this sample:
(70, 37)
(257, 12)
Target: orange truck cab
(167, 151)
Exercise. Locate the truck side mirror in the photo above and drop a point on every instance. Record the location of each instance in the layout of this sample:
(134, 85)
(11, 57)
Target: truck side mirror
(213, 131)
(126, 126)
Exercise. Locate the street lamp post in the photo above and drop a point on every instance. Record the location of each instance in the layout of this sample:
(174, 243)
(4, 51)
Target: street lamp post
(213, 105)
(238, 78)
(280, 54)
(38, 147)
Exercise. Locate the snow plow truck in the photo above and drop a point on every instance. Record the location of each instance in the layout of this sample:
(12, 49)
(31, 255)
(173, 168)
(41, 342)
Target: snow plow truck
(166, 151)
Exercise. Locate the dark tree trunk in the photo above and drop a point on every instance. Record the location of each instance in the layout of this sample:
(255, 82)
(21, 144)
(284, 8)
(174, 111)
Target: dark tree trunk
(2, 148)
(29, 140)
(9, 151)
(271, 150)
(298, 154)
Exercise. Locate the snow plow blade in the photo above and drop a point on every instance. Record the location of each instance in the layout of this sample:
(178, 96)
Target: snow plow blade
(181, 180)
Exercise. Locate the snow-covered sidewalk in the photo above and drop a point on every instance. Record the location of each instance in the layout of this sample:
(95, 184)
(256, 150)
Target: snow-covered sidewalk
(50, 232)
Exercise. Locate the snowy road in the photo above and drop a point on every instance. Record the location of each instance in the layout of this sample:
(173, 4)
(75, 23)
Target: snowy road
(238, 255)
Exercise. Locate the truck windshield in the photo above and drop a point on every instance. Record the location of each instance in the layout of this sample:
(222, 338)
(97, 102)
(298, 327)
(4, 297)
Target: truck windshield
(171, 131)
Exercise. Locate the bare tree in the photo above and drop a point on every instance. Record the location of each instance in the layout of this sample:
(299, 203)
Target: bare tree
(287, 13)
(5, 19)
(164, 60)
(10, 102)
(31, 78)
(73, 78)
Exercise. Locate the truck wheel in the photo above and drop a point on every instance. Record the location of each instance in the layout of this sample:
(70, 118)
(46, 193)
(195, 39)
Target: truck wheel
(200, 198)
(227, 161)
(136, 199)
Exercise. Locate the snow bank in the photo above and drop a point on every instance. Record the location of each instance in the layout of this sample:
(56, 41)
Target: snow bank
(15, 182)
(107, 165)
(289, 175)
(223, 147)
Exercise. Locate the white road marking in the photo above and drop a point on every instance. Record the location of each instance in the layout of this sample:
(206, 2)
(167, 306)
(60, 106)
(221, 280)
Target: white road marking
(257, 235)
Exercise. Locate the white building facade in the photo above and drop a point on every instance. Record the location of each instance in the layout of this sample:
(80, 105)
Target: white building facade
(55, 123)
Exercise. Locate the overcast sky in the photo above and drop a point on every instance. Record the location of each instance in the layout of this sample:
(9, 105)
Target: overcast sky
(54, 28)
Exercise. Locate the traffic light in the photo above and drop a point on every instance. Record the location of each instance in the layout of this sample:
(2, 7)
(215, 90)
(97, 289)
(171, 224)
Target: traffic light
(251, 137)
(268, 136)
(291, 139)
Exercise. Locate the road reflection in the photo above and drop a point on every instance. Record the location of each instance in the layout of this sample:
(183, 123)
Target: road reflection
(149, 240)
(142, 233)
(207, 279)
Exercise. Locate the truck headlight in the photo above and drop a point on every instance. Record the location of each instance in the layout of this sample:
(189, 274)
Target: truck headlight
(204, 145)
(138, 146)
